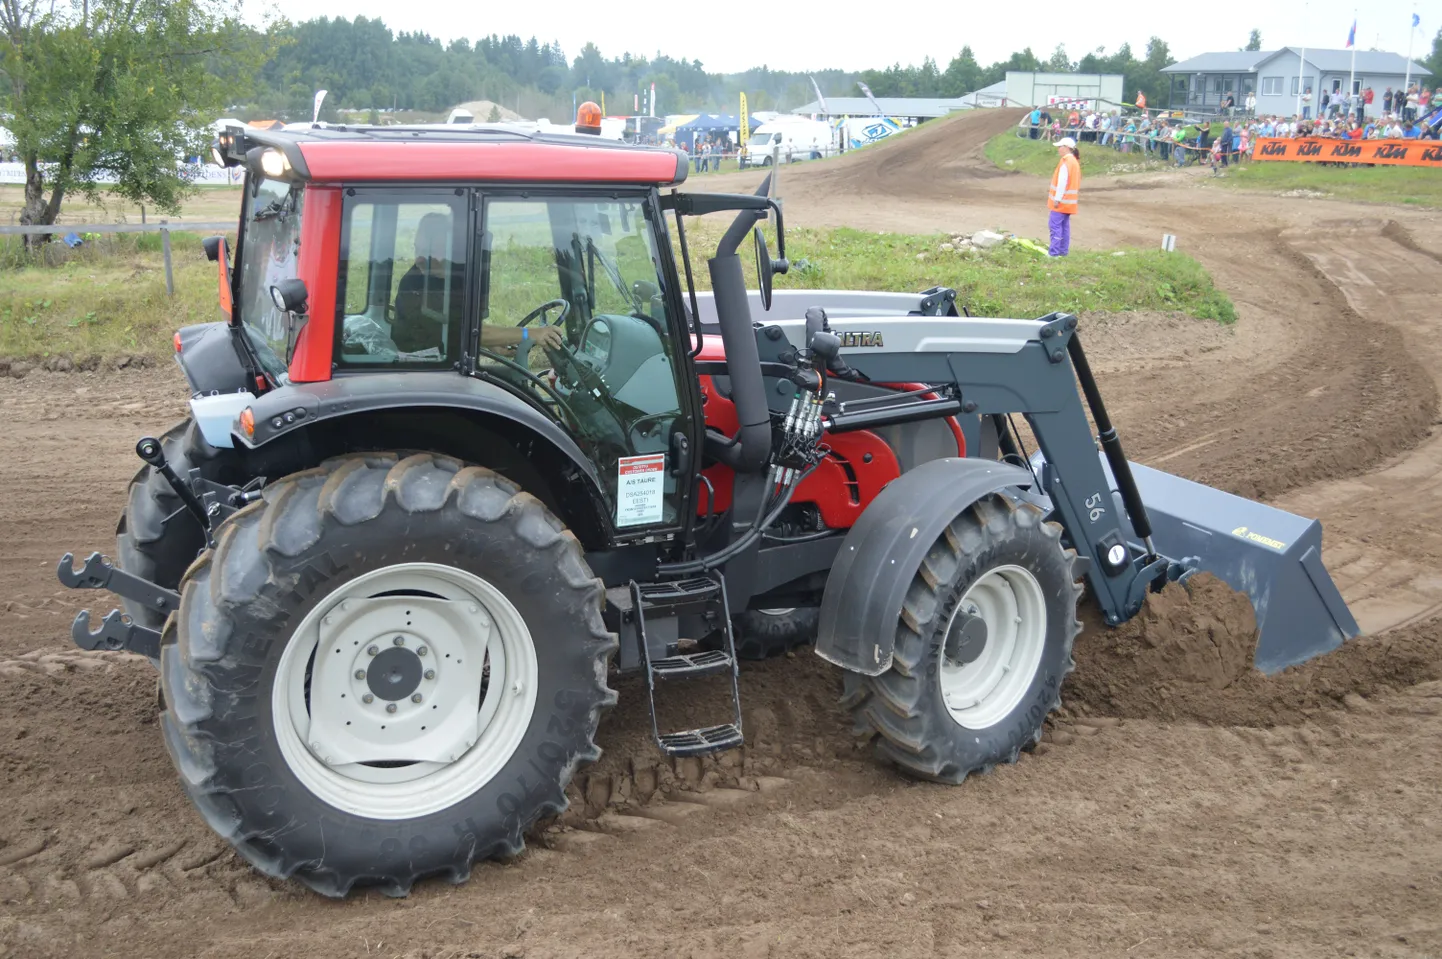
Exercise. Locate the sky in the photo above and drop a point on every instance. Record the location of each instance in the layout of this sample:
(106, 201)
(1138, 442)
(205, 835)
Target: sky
(728, 37)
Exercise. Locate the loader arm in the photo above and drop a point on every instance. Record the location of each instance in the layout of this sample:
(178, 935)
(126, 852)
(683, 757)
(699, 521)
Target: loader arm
(993, 368)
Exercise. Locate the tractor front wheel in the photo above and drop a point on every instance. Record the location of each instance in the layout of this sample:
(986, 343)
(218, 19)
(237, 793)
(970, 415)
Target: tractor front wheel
(983, 643)
(386, 669)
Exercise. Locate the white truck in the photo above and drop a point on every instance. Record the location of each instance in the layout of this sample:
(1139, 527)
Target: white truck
(789, 139)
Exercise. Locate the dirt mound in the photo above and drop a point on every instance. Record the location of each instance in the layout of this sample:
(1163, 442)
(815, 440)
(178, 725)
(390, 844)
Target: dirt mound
(1188, 657)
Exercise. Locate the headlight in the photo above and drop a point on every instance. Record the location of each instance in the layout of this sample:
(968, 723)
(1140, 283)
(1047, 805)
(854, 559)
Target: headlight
(274, 163)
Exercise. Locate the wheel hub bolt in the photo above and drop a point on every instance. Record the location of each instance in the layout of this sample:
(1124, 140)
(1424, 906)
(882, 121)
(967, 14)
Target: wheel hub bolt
(368, 698)
(421, 651)
(416, 698)
(391, 707)
(360, 674)
(399, 640)
(372, 650)
(430, 674)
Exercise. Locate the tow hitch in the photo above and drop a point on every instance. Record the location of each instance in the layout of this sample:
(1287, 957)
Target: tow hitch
(208, 502)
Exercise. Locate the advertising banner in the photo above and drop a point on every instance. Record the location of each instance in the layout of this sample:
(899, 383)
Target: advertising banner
(1424, 153)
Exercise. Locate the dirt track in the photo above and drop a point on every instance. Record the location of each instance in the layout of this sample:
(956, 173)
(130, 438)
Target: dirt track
(1181, 805)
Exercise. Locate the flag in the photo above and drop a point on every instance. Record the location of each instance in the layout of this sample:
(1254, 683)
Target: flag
(1352, 34)
(744, 127)
(1416, 21)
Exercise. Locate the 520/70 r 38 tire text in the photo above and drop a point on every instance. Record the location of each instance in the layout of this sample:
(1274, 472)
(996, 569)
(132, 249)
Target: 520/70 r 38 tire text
(387, 669)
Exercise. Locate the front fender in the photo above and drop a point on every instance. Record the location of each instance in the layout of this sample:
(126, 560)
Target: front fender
(883, 551)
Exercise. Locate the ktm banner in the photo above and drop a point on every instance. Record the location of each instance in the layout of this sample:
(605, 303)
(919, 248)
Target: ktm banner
(1426, 153)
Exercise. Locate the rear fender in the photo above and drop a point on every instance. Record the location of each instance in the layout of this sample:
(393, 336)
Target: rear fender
(440, 412)
(885, 548)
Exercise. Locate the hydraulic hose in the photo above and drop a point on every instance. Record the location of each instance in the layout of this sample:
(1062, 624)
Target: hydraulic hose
(704, 563)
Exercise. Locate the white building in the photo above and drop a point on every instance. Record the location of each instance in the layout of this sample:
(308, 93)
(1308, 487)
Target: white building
(1032, 89)
(1279, 78)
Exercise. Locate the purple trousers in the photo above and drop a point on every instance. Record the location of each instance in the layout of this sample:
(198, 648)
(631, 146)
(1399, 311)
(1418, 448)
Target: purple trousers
(1060, 224)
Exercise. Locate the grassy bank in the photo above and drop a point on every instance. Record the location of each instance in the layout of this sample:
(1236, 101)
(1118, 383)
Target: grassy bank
(1011, 152)
(1006, 281)
(1414, 186)
(106, 301)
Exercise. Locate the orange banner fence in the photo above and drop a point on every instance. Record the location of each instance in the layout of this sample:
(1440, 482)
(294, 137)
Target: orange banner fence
(1423, 153)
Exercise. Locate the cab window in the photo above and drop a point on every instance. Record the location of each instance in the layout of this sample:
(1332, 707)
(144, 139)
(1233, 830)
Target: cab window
(574, 312)
(401, 284)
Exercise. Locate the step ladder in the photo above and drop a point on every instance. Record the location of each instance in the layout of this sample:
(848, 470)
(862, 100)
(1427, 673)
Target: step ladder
(703, 597)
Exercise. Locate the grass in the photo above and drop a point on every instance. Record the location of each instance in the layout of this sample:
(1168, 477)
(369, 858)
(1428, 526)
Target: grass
(1416, 186)
(1011, 152)
(106, 301)
(1006, 281)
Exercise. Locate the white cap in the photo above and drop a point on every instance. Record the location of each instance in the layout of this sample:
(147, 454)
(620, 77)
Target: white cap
(1066, 142)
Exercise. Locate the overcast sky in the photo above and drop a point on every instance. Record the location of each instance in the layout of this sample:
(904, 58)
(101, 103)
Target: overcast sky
(727, 36)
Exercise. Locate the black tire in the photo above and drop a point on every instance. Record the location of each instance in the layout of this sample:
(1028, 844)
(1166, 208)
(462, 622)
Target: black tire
(156, 538)
(903, 709)
(278, 559)
(764, 634)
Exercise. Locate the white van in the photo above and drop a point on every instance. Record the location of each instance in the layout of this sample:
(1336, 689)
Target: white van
(790, 140)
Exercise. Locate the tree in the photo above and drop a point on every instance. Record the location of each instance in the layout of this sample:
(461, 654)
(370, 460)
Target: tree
(1434, 62)
(117, 89)
(495, 116)
(1059, 62)
(1254, 40)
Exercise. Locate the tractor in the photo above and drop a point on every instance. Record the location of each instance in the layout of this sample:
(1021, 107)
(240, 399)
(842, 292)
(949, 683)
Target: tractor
(467, 442)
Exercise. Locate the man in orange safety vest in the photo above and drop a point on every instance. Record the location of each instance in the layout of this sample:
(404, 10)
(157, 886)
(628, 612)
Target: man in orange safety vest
(1061, 198)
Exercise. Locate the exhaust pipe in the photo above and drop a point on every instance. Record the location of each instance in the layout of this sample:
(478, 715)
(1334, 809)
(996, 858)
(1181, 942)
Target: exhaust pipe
(752, 450)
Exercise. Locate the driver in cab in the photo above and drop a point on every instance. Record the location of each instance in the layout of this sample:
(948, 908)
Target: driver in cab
(420, 321)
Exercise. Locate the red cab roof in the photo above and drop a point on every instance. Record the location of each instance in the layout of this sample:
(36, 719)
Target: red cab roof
(350, 154)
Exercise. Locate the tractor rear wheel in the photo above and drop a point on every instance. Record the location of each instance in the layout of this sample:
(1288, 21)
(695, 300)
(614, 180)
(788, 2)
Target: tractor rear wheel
(766, 633)
(982, 645)
(386, 669)
(156, 538)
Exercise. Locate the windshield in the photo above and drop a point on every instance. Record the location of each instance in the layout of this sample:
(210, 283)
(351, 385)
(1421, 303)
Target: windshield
(268, 255)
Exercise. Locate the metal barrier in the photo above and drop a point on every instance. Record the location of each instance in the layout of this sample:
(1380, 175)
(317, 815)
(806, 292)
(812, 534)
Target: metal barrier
(164, 228)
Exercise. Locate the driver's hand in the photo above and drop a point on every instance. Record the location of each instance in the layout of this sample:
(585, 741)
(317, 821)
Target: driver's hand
(546, 337)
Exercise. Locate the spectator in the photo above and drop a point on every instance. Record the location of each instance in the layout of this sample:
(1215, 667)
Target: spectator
(1342, 105)
(1324, 104)
(1061, 200)
(1387, 102)
(1224, 143)
(1035, 120)
(1251, 104)
(1228, 103)
(1410, 130)
(1366, 106)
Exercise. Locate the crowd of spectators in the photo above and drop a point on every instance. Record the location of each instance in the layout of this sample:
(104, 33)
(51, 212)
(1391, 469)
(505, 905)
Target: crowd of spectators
(1228, 138)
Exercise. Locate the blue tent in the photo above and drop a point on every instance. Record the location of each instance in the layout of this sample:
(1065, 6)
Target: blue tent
(711, 124)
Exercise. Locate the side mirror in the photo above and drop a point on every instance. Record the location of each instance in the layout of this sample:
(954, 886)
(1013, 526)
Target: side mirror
(765, 269)
(290, 296)
(212, 246)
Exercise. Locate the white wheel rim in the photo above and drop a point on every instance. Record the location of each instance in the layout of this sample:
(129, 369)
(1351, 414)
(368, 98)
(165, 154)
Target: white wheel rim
(780, 611)
(985, 690)
(476, 685)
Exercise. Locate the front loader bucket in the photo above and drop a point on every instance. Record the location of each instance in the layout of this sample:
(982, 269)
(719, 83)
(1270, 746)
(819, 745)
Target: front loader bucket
(1273, 556)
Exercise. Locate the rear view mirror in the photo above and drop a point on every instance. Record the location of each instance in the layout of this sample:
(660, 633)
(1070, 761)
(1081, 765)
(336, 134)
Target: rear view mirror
(764, 269)
(212, 246)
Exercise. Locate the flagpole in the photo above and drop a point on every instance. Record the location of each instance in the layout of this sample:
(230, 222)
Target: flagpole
(1411, 33)
(1352, 77)
(1301, 67)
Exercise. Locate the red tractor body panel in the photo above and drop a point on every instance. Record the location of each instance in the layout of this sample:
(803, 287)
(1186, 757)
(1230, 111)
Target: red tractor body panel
(317, 266)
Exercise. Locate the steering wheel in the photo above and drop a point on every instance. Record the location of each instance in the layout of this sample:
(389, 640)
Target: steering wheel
(523, 348)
